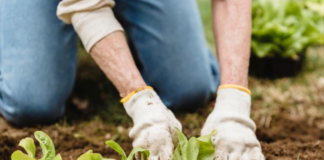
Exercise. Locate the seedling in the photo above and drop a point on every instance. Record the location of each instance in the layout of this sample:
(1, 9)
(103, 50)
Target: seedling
(195, 149)
(28, 144)
(92, 156)
(119, 150)
(112, 144)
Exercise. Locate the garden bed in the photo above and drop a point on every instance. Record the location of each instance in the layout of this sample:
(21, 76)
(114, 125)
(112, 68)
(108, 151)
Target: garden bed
(285, 139)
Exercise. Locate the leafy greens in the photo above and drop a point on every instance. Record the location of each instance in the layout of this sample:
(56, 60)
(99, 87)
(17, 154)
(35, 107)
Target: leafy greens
(195, 149)
(285, 28)
(28, 144)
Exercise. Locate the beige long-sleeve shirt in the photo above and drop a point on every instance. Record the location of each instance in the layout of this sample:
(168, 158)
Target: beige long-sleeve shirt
(91, 19)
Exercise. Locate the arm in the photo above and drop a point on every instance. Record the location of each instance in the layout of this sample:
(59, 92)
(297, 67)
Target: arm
(115, 60)
(154, 125)
(232, 28)
(102, 36)
(235, 136)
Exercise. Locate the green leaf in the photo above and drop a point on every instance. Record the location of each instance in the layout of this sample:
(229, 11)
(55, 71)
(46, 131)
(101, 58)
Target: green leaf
(58, 157)
(29, 145)
(145, 152)
(319, 8)
(18, 155)
(206, 151)
(117, 148)
(206, 147)
(177, 155)
(92, 156)
(183, 141)
(262, 49)
(85, 156)
(46, 144)
(192, 149)
(200, 148)
(207, 138)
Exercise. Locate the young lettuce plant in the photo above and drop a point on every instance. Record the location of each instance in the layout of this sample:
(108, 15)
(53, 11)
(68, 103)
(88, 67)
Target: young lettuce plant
(112, 144)
(195, 149)
(92, 156)
(28, 144)
(144, 153)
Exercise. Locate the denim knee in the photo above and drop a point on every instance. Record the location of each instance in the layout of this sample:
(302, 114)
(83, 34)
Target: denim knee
(188, 95)
(31, 109)
(37, 70)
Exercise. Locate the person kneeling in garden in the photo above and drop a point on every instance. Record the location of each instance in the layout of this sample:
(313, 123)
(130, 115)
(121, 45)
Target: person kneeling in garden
(166, 40)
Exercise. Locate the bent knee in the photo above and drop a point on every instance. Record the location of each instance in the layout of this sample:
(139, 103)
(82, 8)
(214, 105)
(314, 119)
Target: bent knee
(33, 109)
(189, 96)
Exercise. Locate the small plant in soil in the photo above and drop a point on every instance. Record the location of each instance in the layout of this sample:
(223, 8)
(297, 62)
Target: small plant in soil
(112, 144)
(92, 156)
(144, 153)
(28, 144)
(195, 149)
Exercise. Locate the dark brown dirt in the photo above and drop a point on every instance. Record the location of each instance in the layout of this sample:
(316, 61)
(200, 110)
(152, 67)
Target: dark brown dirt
(285, 139)
(69, 145)
(288, 139)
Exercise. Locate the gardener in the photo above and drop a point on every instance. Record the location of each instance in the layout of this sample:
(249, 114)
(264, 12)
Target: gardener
(167, 51)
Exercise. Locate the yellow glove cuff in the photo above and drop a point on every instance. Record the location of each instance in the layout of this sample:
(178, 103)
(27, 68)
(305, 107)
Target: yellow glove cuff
(125, 99)
(235, 87)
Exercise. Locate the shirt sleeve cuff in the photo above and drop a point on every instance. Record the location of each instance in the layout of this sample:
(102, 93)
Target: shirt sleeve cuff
(94, 25)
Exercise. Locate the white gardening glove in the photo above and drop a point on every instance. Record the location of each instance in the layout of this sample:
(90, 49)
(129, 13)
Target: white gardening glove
(235, 138)
(154, 125)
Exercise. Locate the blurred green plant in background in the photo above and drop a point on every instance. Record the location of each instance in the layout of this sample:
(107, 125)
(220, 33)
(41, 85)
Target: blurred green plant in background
(286, 28)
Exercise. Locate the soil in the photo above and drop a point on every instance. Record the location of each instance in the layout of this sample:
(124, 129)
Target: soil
(68, 145)
(288, 139)
(285, 139)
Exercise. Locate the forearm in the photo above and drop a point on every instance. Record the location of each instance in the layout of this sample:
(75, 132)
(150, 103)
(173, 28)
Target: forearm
(232, 30)
(115, 59)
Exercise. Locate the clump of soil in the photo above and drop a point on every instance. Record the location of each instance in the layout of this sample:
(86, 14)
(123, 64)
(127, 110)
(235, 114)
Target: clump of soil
(8, 145)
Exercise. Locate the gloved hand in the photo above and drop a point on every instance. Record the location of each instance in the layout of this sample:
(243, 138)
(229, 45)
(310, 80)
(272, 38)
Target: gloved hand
(154, 124)
(235, 138)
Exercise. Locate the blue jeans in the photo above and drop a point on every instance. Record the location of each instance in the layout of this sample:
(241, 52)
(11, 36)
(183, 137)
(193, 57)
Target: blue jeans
(38, 55)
